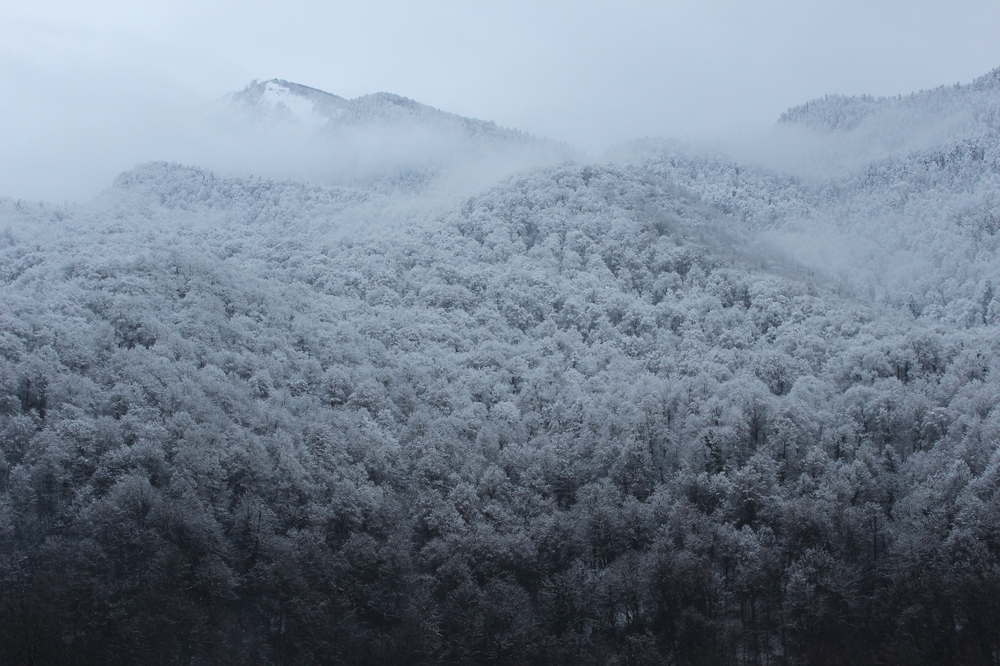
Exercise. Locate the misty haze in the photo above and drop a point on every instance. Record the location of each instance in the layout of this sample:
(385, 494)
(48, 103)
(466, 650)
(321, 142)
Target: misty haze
(291, 377)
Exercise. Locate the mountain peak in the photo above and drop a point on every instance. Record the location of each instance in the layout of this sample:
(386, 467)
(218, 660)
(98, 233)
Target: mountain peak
(277, 100)
(281, 102)
(289, 130)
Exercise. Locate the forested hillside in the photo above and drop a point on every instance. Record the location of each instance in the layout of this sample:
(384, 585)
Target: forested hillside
(672, 409)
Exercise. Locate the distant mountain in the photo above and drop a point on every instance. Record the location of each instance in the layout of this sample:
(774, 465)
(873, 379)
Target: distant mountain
(380, 140)
(283, 101)
(280, 101)
(976, 102)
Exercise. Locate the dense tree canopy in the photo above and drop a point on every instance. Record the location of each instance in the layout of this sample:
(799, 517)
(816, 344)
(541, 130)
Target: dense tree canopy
(593, 415)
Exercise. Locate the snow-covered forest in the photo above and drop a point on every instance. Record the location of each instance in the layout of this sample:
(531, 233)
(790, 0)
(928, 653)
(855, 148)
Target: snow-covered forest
(667, 407)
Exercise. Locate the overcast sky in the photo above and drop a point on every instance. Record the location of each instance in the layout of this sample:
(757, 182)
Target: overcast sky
(84, 84)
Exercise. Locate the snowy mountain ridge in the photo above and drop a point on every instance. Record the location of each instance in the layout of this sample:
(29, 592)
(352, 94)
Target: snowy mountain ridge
(280, 101)
(383, 141)
(979, 100)
(283, 101)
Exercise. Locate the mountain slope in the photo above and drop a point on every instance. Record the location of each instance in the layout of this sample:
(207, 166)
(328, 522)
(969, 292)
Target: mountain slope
(907, 216)
(590, 414)
(977, 101)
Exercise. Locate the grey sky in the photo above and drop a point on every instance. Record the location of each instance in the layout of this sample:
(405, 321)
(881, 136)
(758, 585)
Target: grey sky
(87, 86)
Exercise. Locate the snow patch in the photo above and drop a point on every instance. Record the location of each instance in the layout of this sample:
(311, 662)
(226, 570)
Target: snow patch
(288, 105)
